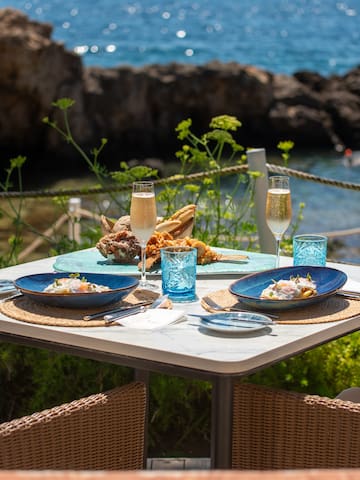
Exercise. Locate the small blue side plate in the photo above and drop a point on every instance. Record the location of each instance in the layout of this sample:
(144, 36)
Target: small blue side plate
(234, 322)
(248, 289)
(33, 286)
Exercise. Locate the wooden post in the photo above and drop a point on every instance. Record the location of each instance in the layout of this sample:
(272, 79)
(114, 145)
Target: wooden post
(74, 228)
(41, 239)
(257, 163)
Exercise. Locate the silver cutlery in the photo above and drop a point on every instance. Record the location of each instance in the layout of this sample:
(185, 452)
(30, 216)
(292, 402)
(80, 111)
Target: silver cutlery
(103, 313)
(219, 308)
(127, 313)
(10, 294)
(7, 286)
(349, 294)
(136, 309)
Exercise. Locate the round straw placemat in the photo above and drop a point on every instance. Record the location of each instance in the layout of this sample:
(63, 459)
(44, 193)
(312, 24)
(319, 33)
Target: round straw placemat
(332, 309)
(26, 310)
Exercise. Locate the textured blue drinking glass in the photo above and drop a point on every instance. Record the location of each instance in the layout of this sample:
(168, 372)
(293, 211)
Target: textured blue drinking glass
(178, 273)
(310, 250)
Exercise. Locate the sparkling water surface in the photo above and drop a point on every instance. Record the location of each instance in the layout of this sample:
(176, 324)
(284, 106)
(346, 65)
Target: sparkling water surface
(279, 35)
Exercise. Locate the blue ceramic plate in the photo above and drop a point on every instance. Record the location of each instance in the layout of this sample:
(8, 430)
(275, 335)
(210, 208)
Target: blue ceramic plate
(241, 322)
(91, 260)
(33, 286)
(248, 289)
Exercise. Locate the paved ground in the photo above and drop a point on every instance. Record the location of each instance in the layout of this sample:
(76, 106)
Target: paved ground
(178, 464)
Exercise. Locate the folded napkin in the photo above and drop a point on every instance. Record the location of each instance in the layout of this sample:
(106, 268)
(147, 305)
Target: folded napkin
(352, 285)
(152, 318)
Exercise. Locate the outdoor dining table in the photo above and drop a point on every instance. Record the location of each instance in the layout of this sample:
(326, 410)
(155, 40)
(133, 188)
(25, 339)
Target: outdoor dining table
(183, 349)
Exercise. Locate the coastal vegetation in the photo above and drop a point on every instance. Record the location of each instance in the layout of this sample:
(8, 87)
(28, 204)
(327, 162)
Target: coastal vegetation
(34, 379)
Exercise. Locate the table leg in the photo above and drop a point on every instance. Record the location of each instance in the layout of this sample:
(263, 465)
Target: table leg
(221, 422)
(144, 377)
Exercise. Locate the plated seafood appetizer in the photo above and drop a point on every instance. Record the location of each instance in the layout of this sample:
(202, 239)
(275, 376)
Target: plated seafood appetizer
(74, 284)
(295, 287)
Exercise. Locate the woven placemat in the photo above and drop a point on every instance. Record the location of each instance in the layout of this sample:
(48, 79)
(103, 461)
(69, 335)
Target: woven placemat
(26, 310)
(332, 309)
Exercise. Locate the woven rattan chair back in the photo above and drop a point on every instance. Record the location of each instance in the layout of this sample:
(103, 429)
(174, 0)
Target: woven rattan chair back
(104, 431)
(275, 429)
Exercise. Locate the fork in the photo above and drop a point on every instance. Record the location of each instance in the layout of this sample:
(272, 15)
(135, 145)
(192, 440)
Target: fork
(219, 308)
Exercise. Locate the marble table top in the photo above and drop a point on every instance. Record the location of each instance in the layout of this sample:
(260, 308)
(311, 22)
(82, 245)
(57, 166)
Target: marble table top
(185, 345)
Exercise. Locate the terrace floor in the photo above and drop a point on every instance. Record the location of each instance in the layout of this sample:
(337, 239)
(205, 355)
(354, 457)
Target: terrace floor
(178, 464)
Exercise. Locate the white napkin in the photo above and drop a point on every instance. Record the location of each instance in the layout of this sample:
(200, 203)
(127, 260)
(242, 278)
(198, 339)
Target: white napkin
(152, 318)
(352, 285)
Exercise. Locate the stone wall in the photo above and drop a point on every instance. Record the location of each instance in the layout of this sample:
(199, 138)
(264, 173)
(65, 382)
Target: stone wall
(137, 109)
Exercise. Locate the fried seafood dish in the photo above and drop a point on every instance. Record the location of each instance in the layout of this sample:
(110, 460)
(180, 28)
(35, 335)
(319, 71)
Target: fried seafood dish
(180, 224)
(161, 240)
(121, 246)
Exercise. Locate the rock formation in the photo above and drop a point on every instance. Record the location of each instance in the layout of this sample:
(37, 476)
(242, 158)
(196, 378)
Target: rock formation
(137, 109)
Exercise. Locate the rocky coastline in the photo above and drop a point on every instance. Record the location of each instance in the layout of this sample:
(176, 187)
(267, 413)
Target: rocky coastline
(137, 109)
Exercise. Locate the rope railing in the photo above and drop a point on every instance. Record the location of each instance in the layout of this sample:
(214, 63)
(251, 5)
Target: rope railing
(311, 177)
(235, 169)
(75, 212)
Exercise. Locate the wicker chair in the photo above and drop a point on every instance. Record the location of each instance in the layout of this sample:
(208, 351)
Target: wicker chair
(104, 431)
(275, 429)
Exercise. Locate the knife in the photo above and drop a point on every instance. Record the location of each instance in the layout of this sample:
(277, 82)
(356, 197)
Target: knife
(127, 313)
(349, 294)
(115, 310)
(135, 309)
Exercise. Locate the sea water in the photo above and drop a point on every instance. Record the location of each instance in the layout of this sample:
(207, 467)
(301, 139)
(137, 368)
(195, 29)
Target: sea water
(278, 35)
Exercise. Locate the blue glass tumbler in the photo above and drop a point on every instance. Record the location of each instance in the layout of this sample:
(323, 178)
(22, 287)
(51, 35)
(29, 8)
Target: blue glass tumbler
(178, 273)
(310, 250)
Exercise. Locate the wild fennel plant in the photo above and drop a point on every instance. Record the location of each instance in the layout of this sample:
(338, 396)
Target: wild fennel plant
(221, 215)
(123, 177)
(12, 209)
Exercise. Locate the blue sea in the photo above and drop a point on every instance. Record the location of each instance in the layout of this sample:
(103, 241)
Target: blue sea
(281, 36)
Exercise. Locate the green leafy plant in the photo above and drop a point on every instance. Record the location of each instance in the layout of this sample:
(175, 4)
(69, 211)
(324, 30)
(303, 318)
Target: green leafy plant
(124, 177)
(285, 147)
(64, 104)
(13, 210)
(222, 205)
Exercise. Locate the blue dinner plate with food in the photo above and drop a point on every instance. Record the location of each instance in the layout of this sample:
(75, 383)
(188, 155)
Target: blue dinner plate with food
(288, 287)
(78, 290)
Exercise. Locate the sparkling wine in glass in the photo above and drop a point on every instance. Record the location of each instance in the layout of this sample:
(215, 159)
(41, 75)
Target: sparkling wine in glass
(278, 209)
(143, 221)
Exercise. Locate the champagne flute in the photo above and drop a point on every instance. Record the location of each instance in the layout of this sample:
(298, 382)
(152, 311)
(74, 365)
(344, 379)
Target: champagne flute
(278, 209)
(143, 219)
